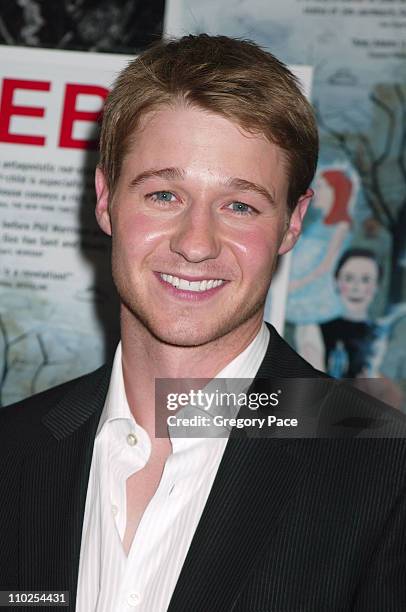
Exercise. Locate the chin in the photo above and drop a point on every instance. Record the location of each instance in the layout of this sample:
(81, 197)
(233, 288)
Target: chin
(184, 334)
(187, 331)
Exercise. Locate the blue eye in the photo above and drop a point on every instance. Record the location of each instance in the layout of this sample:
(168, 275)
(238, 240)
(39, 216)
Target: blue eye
(242, 209)
(161, 196)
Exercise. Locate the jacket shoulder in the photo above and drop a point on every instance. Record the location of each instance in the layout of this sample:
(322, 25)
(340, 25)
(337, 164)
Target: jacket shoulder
(281, 360)
(28, 413)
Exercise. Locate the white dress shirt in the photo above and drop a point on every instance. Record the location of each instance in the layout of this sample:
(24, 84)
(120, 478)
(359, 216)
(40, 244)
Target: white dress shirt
(144, 581)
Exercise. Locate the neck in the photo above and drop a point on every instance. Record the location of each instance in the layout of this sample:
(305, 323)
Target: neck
(356, 316)
(145, 358)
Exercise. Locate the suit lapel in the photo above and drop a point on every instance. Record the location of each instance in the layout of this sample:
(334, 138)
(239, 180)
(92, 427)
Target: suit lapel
(53, 489)
(255, 482)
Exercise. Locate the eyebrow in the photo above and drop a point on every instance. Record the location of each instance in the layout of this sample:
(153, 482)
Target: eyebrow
(243, 185)
(166, 173)
(179, 174)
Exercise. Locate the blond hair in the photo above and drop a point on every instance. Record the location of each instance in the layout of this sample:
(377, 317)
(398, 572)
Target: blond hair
(232, 78)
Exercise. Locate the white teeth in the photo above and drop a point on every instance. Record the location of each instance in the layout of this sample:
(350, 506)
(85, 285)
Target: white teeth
(185, 285)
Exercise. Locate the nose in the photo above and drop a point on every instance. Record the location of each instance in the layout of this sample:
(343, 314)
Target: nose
(356, 284)
(196, 235)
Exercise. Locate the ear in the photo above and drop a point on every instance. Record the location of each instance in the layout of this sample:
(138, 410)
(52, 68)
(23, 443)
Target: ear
(102, 205)
(295, 223)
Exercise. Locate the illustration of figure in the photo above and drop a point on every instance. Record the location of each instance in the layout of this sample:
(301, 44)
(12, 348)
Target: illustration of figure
(349, 339)
(312, 296)
(342, 345)
(352, 345)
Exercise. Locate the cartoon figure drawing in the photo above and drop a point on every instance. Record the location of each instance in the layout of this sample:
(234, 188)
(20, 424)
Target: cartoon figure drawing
(349, 339)
(312, 296)
(342, 346)
(352, 345)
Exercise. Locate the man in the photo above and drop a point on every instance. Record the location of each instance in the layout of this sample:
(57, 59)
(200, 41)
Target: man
(207, 152)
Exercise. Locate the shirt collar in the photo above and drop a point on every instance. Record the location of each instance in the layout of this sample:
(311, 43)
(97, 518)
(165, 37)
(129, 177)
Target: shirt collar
(116, 404)
(244, 365)
(247, 363)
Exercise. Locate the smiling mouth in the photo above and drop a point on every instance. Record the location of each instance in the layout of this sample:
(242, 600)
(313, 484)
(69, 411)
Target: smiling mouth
(186, 285)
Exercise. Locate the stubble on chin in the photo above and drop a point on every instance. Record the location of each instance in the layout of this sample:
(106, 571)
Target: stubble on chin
(182, 330)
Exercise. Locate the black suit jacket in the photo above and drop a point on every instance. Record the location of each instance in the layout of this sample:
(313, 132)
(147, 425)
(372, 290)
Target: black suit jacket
(290, 524)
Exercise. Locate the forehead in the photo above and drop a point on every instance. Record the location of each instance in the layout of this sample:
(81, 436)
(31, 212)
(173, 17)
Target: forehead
(360, 265)
(207, 143)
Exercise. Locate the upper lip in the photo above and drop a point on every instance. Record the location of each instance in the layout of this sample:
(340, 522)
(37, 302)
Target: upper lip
(193, 278)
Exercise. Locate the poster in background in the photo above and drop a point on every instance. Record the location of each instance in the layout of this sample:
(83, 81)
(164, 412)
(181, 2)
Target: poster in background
(58, 314)
(58, 310)
(346, 310)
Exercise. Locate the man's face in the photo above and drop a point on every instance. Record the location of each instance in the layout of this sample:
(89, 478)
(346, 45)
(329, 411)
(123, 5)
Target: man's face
(198, 201)
(357, 282)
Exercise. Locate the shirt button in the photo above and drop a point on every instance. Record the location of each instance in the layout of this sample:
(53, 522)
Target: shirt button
(114, 510)
(133, 599)
(132, 439)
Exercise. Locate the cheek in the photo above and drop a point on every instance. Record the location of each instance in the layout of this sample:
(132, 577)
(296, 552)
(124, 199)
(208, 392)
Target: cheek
(138, 233)
(344, 288)
(256, 252)
(370, 290)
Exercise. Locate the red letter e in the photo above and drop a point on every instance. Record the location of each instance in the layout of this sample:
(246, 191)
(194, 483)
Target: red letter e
(8, 109)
